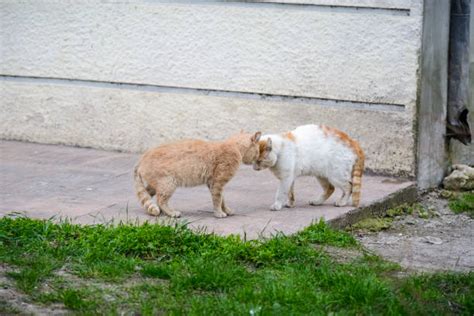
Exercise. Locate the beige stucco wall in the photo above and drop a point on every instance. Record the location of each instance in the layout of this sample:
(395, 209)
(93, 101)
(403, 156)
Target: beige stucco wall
(209, 69)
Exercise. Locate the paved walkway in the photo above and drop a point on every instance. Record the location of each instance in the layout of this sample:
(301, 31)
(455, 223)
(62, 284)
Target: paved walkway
(91, 186)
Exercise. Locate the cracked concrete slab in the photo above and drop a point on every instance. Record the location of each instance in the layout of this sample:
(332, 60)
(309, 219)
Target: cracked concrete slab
(90, 186)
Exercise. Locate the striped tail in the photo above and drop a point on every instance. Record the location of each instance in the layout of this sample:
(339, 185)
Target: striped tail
(143, 195)
(357, 171)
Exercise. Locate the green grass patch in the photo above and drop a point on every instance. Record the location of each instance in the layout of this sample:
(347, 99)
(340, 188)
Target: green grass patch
(415, 209)
(443, 293)
(376, 224)
(463, 203)
(373, 224)
(153, 269)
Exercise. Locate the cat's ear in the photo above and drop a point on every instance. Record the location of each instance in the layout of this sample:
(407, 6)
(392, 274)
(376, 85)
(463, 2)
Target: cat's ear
(268, 145)
(255, 138)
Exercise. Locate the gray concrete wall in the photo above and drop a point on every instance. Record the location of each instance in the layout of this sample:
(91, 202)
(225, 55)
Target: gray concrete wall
(131, 75)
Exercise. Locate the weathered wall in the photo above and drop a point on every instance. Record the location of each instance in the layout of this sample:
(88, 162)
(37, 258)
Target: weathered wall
(195, 69)
(431, 120)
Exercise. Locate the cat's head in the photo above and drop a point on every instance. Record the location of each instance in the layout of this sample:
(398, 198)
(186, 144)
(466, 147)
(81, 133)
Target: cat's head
(251, 148)
(266, 157)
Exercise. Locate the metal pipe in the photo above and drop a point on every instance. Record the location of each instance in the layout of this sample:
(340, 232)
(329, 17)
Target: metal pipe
(458, 72)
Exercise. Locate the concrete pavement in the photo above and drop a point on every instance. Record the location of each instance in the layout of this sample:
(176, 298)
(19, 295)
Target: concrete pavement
(91, 186)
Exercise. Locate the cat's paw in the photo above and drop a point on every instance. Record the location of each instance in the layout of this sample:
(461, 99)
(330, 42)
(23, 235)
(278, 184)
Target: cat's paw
(220, 214)
(340, 203)
(175, 214)
(153, 210)
(228, 211)
(316, 202)
(290, 204)
(276, 206)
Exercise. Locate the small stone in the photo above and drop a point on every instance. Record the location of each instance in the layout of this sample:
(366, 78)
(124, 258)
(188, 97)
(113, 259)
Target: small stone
(462, 178)
(433, 240)
(446, 194)
(389, 240)
(431, 225)
(410, 222)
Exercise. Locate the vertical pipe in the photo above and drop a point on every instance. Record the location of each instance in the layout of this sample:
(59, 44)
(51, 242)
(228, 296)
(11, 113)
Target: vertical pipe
(458, 73)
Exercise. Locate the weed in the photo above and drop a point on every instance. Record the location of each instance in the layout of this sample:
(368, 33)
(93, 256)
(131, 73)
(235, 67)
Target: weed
(404, 209)
(320, 233)
(443, 293)
(376, 224)
(463, 203)
(373, 224)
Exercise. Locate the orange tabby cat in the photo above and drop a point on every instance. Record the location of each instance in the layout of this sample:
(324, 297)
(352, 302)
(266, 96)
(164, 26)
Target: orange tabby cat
(190, 163)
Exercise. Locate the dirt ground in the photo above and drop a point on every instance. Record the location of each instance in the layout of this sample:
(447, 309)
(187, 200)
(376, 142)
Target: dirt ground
(442, 242)
(13, 302)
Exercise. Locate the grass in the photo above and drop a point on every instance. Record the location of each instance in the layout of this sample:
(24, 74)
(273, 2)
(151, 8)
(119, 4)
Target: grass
(373, 224)
(152, 269)
(463, 203)
(376, 224)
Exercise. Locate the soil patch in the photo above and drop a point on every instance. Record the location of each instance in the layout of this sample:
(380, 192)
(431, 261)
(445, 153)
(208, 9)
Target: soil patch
(438, 240)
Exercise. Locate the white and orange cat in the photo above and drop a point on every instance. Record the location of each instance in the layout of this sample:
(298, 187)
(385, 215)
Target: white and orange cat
(311, 150)
(190, 163)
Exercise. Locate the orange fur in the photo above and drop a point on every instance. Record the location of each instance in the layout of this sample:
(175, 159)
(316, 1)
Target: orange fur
(262, 145)
(358, 168)
(325, 130)
(190, 163)
(290, 136)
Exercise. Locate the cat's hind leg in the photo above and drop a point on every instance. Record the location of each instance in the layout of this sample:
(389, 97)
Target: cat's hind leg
(346, 188)
(148, 204)
(328, 190)
(165, 189)
(150, 190)
(291, 196)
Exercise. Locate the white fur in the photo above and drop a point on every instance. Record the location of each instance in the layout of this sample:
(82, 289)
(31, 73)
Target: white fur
(311, 154)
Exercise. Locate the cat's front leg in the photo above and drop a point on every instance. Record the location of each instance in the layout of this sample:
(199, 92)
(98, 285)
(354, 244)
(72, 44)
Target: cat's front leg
(218, 199)
(282, 194)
